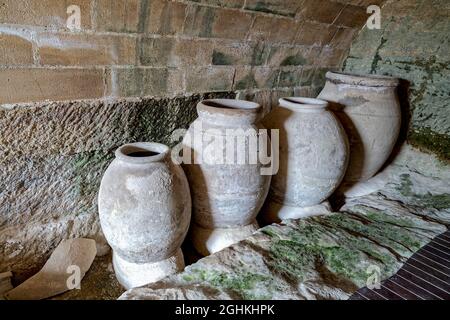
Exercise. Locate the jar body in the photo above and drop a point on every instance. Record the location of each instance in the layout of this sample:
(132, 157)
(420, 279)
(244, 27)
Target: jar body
(144, 209)
(227, 190)
(369, 110)
(313, 155)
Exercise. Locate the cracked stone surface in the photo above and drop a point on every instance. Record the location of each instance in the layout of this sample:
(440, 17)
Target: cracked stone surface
(325, 257)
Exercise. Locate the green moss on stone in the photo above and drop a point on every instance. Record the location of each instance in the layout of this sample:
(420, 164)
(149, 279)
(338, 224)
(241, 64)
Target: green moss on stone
(247, 82)
(295, 60)
(244, 282)
(221, 59)
(88, 169)
(428, 140)
(377, 58)
(428, 200)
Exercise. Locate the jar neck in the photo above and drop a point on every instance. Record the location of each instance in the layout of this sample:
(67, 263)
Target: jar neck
(375, 81)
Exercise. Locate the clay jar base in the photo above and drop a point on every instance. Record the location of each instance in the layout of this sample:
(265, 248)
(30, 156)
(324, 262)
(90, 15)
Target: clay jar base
(274, 212)
(209, 241)
(132, 275)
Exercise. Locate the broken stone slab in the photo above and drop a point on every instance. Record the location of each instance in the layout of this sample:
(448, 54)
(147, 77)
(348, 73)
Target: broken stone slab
(325, 257)
(62, 272)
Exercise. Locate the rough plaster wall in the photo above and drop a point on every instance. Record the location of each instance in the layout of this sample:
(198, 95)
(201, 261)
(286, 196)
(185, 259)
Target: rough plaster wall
(53, 157)
(413, 44)
(53, 154)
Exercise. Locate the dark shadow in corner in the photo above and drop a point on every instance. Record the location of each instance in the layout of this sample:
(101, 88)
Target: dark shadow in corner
(403, 92)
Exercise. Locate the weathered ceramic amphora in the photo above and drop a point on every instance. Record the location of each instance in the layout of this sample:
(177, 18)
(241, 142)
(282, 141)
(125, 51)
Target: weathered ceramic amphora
(227, 190)
(369, 109)
(145, 209)
(313, 157)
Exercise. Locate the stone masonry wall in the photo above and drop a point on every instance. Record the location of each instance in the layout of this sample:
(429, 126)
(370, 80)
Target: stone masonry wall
(134, 71)
(413, 44)
(158, 47)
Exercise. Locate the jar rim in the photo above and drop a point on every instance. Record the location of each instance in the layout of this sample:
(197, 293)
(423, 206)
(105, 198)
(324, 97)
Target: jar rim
(303, 103)
(229, 106)
(142, 152)
(367, 80)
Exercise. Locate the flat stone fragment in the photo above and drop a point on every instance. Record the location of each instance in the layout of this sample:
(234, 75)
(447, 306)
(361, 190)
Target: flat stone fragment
(326, 257)
(70, 259)
(99, 283)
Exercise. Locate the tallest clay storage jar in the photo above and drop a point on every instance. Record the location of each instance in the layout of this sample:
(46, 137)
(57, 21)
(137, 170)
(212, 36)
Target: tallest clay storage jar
(228, 189)
(369, 110)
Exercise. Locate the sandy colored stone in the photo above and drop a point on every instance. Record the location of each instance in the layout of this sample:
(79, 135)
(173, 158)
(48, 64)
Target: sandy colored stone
(15, 50)
(19, 85)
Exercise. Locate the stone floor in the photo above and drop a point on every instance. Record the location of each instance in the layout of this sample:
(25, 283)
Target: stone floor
(325, 257)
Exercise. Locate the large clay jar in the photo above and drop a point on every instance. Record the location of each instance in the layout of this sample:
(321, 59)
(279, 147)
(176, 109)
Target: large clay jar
(369, 110)
(227, 193)
(313, 158)
(145, 209)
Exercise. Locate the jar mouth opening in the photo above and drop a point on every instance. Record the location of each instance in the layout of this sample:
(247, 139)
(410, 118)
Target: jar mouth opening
(230, 104)
(142, 152)
(303, 103)
(368, 80)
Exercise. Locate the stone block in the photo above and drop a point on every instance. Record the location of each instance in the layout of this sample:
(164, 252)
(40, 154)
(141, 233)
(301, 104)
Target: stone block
(239, 53)
(51, 14)
(175, 52)
(38, 84)
(204, 79)
(117, 15)
(324, 11)
(255, 78)
(137, 82)
(86, 50)
(202, 21)
(352, 16)
(15, 50)
(164, 17)
(273, 29)
(314, 33)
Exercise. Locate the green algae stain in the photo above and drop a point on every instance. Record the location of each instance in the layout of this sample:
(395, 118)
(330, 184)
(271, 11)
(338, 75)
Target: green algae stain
(377, 58)
(88, 168)
(427, 140)
(428, 200)
(297, 261)
(398, 239)
(244, 283)
(247, 82)
(221, 59)
(295, 60)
